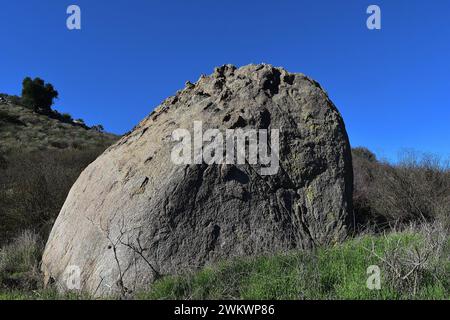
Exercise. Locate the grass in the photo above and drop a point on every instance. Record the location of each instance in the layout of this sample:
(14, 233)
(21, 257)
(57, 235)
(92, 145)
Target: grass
(337, 272)
(19, 261)
(44, 294)
(20, 126)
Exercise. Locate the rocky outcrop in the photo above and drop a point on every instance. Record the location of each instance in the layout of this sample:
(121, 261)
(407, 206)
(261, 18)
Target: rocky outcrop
(134, 215)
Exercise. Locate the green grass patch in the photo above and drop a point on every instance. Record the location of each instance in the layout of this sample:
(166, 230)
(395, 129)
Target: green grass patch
(337, 272)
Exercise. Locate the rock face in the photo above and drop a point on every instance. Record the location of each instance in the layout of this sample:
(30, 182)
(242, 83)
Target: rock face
(133, 215)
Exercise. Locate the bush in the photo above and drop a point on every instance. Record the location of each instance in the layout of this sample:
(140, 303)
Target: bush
(364, 153)
(34, 186)
(19, 262)
(59, 144)
(417, 189)
(66, 117)
(421, 267)
(98, 128)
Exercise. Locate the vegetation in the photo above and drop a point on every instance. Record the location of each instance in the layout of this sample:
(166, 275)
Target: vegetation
(67, 117)
(337, 272)
(33, 188)
(414, 264)
(22, 128)
(41, 155)
(98, 128)
(39, 97)
(386, 196)
(19, 262)
(38, 94)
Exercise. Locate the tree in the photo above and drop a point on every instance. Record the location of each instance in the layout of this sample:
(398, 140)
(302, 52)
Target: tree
(38, 94)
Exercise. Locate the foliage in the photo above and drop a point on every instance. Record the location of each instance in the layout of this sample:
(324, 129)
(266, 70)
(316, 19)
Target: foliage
(416, 189)
(66, 117)
(19, 262)
(38, 94)
(33, 188)
(338, 272)
(98, 128)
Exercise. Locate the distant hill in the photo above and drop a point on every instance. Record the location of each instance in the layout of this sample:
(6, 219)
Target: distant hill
(26, 130)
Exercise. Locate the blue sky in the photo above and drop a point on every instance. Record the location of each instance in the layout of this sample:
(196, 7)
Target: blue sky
(392, 86)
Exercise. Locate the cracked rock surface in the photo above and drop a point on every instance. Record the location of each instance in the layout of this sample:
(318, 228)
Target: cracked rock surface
(134, 216)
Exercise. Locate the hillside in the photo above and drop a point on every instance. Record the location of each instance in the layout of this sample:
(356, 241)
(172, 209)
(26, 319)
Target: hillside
(41, 156)
(21, 127)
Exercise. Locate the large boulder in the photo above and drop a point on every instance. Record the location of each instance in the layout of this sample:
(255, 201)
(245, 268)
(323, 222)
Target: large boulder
(134, 215)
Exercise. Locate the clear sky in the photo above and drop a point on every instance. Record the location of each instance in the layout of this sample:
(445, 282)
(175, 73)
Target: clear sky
(392, 85)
